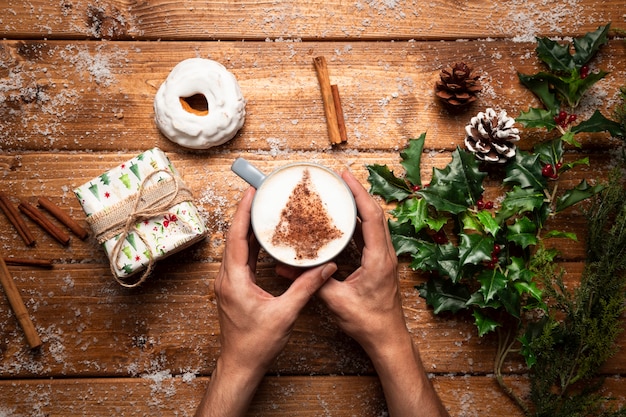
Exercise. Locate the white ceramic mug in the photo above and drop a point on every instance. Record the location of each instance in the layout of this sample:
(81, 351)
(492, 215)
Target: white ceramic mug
(303, 214)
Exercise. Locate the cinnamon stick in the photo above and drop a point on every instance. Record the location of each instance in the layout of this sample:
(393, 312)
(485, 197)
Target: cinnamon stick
(63, 217)
(17, 304)
(39, 218)
(41, 263)
(321, 69)
(341, 123)
(16, 220)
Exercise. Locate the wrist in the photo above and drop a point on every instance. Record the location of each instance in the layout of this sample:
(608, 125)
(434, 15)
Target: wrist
(231, 389)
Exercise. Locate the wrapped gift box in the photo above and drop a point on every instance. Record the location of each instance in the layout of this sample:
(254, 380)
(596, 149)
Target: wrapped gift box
(148, 190)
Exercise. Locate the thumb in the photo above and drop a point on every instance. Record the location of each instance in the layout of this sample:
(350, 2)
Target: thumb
(307, 284)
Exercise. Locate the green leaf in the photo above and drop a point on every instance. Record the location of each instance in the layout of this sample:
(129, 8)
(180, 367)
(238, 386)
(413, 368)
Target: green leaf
(540, 86)
(598, 123)
(385, 184)
(569, 137)
(484, 323)
(537, 118)
(511, 300)
(524, 287)
(561, 234)
(518, 201)
(443, 295)
(516, 270)
(587, 46)
(411, 159)
(443, 259)
(576, 195)
(491, 281)
(415, 211)
(474, 248)
(457, 186)
(550, 152)
(523, 232)
(556, 56)
(578, 86)
(525, 170)
(487, 222)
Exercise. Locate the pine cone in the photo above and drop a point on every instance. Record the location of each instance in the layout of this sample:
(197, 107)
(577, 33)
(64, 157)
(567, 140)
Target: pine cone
(457, 87)
(491, 136)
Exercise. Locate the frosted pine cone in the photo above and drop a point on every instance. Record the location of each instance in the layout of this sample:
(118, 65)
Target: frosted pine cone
(491, 136)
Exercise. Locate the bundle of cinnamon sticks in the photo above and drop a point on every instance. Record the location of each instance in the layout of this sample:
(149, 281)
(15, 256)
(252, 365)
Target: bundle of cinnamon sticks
(332, 103)
(37, 216)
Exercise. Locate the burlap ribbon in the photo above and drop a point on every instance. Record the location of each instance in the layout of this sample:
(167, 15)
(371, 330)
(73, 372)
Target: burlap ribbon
(122, 218)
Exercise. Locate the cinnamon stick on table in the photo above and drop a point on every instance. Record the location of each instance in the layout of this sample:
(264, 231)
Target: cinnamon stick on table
(341, 123)
(321, 69)
(63, 217)
(39, 218)
(18, 307)
(16, 220)
(41, 263)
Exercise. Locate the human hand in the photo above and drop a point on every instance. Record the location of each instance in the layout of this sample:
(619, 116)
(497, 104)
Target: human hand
(255, 325)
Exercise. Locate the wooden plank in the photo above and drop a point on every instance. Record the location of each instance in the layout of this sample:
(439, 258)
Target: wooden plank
(77, 96)
(161, 393)
(328, 20)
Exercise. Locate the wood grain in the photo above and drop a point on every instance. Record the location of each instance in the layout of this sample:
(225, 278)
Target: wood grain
(303, 20)
(77, 87)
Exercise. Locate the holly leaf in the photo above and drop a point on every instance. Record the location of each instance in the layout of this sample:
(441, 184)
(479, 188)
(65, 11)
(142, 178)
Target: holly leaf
(578, 86)
(582, 191)
(523, 232)
(556, 56)
(561, 234)
(457, 186)
(411, 159)
(550, 152)
(403, 237)
(525, 170)
(484, 323)
(519, 200)
(385, 184)
(415, 211)
(598, 123)
(474, 248)
(443, 259)
(491, 281)
(443, 295)
(537, 118)
(540, 86)
(517, 271)
(511, 300)
(487, 222)
(587, 46)
(524, 287)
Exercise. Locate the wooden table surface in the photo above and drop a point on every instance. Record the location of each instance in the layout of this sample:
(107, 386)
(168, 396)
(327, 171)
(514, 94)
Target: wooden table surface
(77, 85)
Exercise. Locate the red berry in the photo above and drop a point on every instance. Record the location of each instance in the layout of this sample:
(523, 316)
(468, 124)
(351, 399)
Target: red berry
(584, 71)
(440, 237)
(416, 187)
(496, 249)
(480, 204)
(559, 165)
(571, 118)
(547, 170)
(489, 205)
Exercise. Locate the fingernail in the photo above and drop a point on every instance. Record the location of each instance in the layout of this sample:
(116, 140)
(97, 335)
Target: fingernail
(328, 270)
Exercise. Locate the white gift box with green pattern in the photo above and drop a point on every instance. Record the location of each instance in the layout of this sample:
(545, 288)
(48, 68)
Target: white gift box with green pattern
(144, 202)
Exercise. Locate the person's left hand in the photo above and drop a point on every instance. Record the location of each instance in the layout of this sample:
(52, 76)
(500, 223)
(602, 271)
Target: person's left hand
(255, 325)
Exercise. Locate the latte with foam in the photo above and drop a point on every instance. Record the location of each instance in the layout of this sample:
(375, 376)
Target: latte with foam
(303, 214)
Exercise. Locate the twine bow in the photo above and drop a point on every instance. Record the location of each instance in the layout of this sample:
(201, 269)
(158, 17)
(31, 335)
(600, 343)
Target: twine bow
(122, 218)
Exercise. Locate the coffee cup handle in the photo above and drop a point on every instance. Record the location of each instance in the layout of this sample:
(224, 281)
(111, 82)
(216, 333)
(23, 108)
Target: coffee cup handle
(248, 172)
